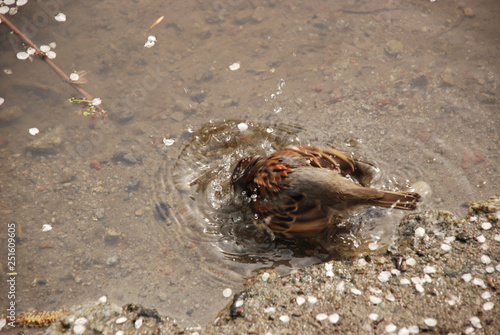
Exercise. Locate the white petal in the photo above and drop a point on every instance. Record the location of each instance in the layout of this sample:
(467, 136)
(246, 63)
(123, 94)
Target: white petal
(46, 227)
(22, 55)
(2, 100)
(60, 17)
(234, 66)
(21, 2)
(33, 131)
(51, 55)
(30, 51)
(4, 10)
(44, 48)
(96, 101)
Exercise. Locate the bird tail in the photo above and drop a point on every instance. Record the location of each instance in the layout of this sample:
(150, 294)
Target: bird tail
(399, 200)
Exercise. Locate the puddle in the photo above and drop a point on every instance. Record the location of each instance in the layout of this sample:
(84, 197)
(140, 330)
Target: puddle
(412, 88)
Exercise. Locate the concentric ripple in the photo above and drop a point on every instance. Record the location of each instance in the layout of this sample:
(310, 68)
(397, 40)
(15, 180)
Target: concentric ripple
(194, 196)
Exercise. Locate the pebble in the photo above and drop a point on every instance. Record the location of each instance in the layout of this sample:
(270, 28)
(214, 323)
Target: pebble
(476, 322)
(485, 259)
(467, 277)
(10, 113)
(270, 310)
(355, 291)
(478, 282)
(445, 247)
(419, 288)
(486, 225)
(486, 295)
(430, 322)
(413, 329)
(404, 281)
(481, 239)
(312, 300)
(488, 306)
(81, 321)
(227, 292)
(373, 316)
(48, 143)
(79, 329)
(375, 300)
(468, 12)
(390, 328)
(300, 300)
(121, 320)
(429, 269)
(265, 276)
(321, 317)
(103, 299)
(384, 276)
(138, 323)
(411, 262)
(498, 267)
(334, 318)
(394, 48)
(497, 237)
(419, 232)
(284, 318)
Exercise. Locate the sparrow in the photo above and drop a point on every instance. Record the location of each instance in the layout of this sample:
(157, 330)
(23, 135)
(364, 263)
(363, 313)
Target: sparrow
(294, 192)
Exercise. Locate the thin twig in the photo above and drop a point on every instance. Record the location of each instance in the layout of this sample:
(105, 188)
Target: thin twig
(43, 56)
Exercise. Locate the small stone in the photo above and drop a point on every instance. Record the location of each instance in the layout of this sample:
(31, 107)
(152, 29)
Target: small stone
(265, 276)
(394, 48)
(138, 323)
(404, 281)
(481, 239)
(485, 259)
(373, 316)
(488, 306)
(139, 212)
(243, 15)
(390, 328)
(111, 237)
(260, 14)
(81, 321)
(321, 317)
(333, 318)
(467, 277)
(419, 288)
(486, 225)
(411, 262)
(270, 310)
(419, 232)
(445, 247)
(384, 276)
(375, 300)
(227, 292)
(447, 79)
(430, 322)
(356, 291)
(162, 296)
(300, 300)
(486, 295)
(48, 143)
(10, 113)
(312, 300)
(476, 322)
(113, 260)
(468, 12)
(478, 282)
(429, 269)
(79, 329)
(121, 320)
(422, 188)
(284, 318)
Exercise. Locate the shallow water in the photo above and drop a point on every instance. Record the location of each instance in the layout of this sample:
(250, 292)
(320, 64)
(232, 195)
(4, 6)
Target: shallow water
(411, 87)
